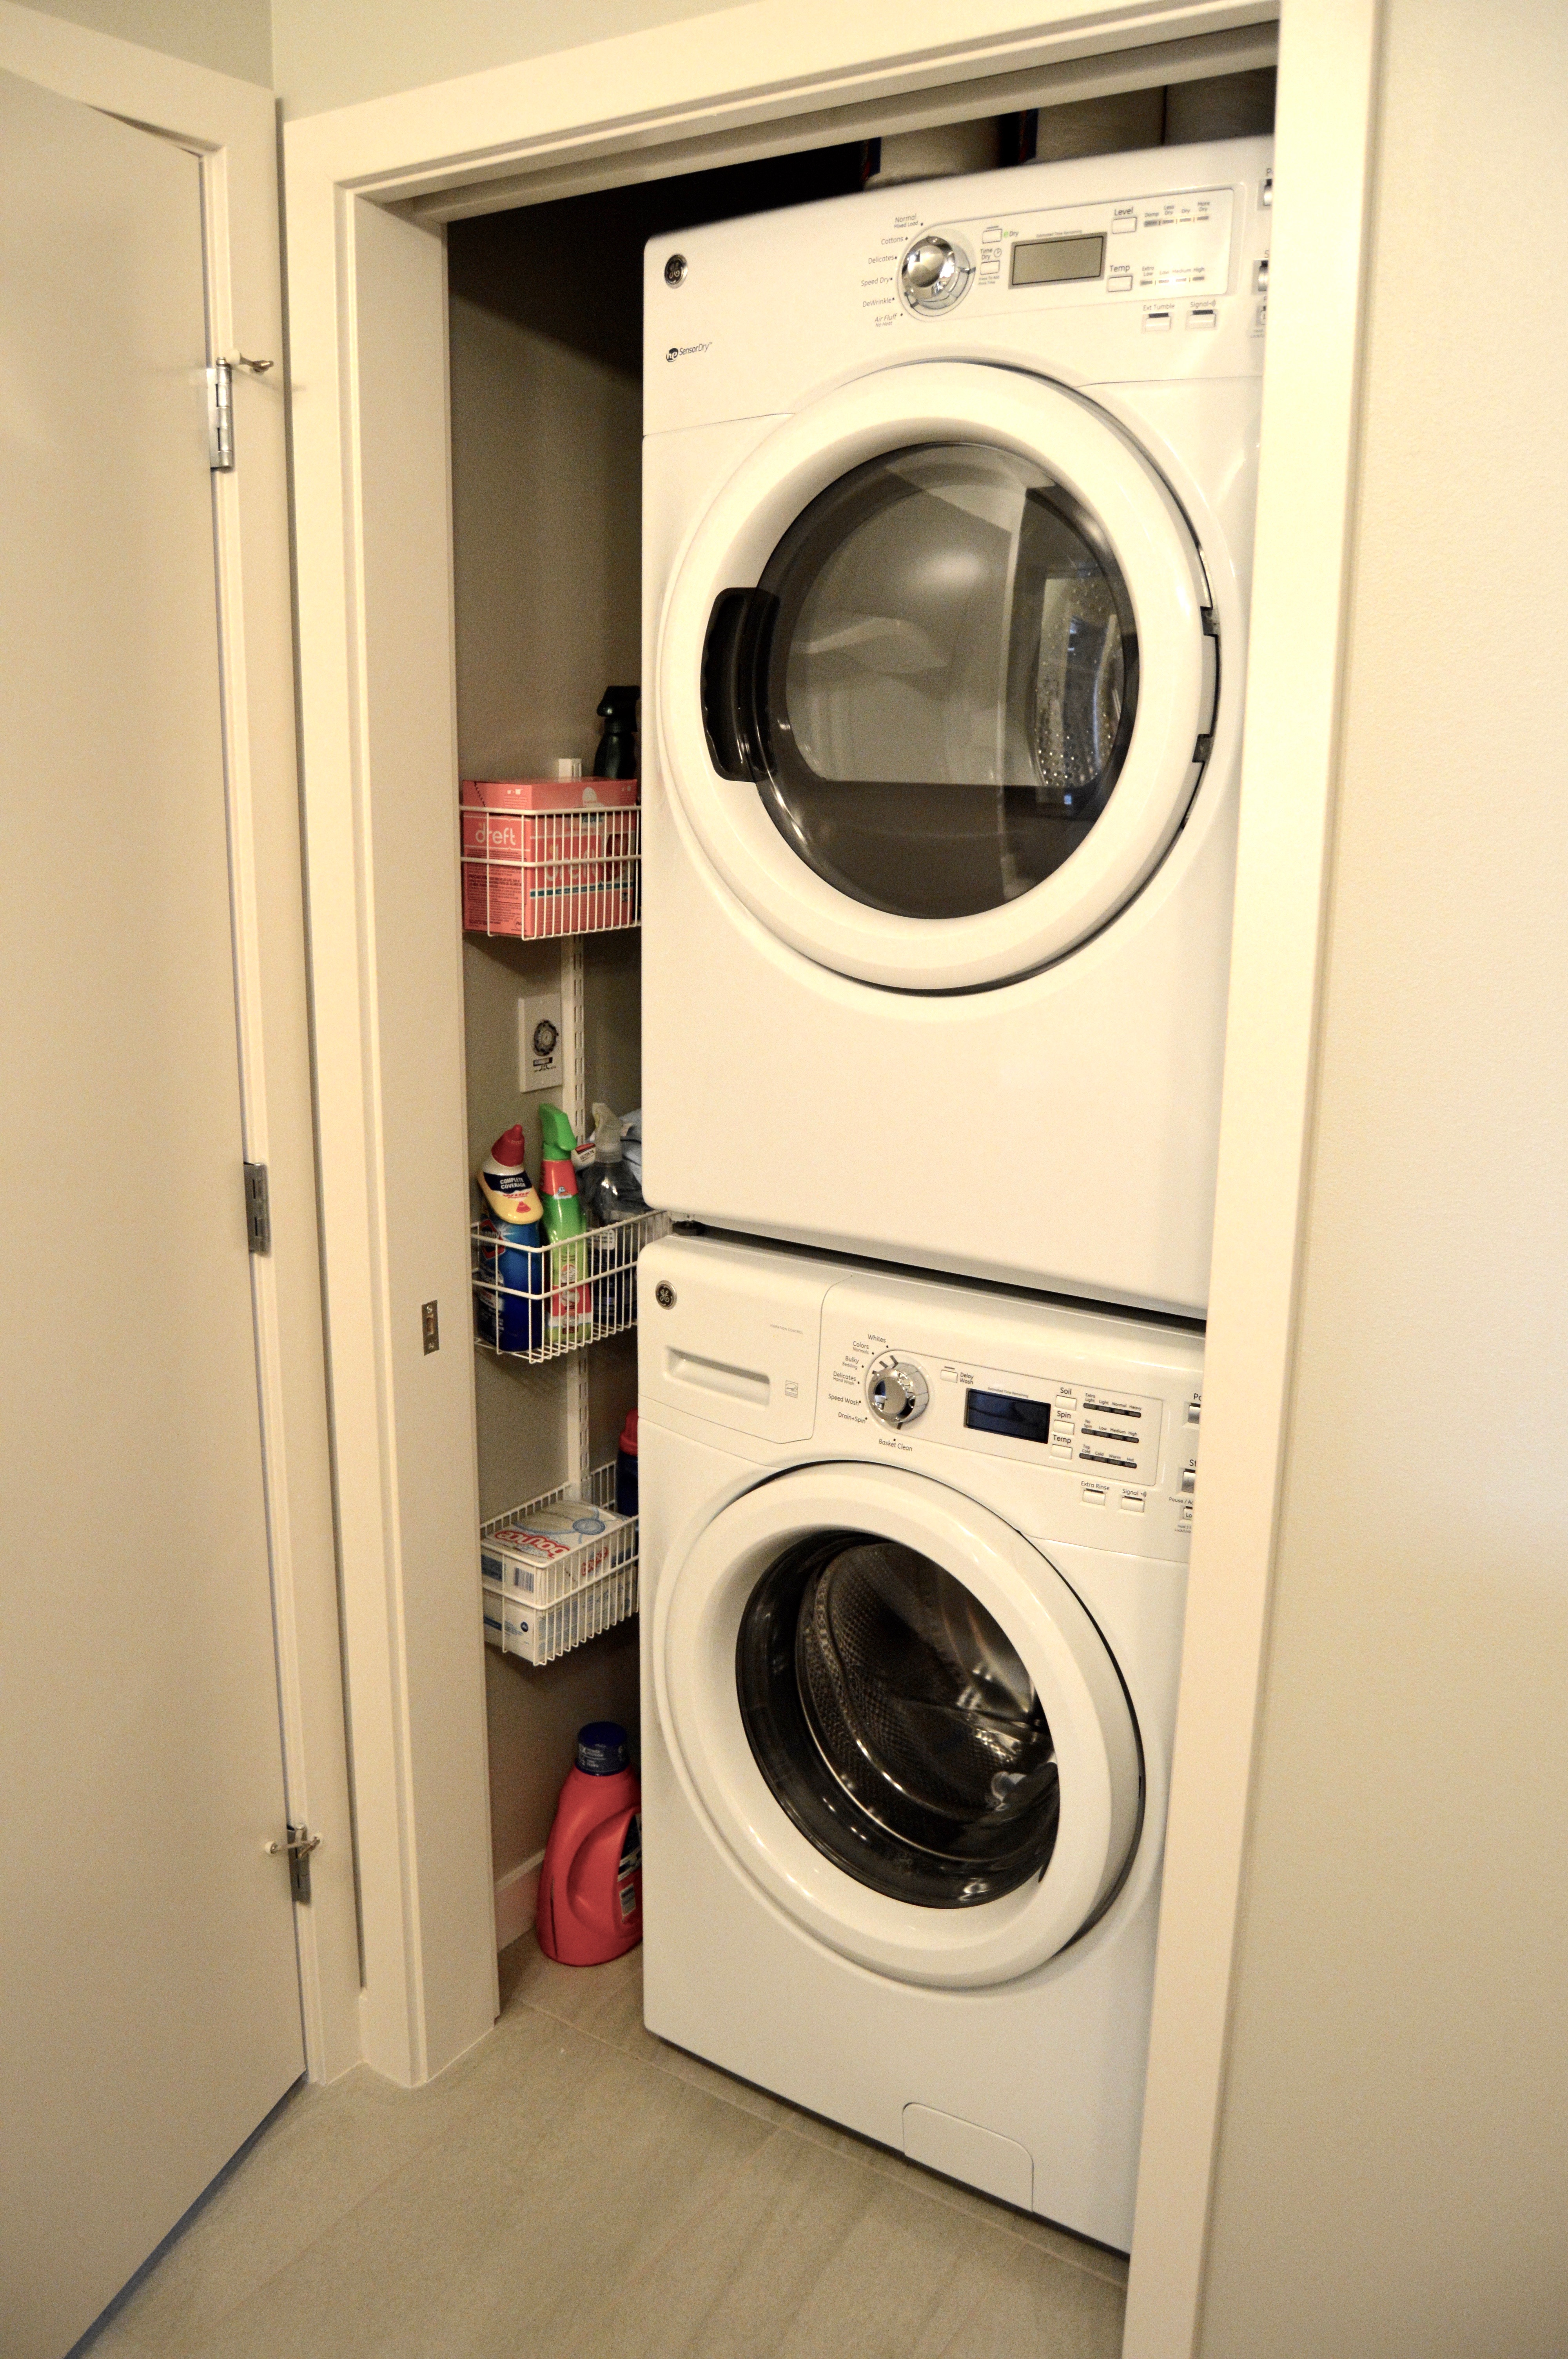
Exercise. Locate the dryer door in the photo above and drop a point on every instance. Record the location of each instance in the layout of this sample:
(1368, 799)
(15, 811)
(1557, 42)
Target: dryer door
(896, 1716)
(935, 679)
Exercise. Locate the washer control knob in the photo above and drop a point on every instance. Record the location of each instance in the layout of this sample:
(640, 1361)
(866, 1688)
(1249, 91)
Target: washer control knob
(896, 1392)
(934, 274)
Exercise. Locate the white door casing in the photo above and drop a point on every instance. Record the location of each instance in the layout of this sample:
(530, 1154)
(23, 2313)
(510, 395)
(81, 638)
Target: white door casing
(701, 1597)
(152, 2013)
(1078, 446)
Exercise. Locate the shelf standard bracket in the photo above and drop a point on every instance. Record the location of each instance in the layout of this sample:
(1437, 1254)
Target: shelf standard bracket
(573, 1092)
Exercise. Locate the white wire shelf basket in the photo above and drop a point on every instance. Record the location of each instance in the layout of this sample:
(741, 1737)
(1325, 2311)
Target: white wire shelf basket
(538, 1302)
(558, 1571)
(538, 874)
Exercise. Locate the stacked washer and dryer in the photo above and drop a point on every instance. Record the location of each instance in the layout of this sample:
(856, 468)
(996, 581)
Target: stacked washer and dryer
(949, 507)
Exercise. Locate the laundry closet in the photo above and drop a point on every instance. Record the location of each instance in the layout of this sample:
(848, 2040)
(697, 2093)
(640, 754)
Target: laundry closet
(546, 353)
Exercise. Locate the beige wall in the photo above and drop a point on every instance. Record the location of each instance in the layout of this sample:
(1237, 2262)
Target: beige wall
(330, 55)
(234, 36)
(324, 53)
(1394, 2171)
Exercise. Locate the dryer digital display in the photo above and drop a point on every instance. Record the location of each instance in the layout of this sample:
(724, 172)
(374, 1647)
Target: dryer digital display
(1008, 1413)
(1046, 261)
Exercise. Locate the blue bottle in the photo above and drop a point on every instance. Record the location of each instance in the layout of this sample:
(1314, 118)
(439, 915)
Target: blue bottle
(510, 1279)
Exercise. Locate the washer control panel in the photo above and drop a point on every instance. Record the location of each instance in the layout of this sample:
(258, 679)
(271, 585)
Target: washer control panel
(896, 1391)
(893, 1391)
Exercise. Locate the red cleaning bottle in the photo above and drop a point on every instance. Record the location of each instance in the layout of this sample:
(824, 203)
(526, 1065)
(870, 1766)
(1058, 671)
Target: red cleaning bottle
(591, 1887)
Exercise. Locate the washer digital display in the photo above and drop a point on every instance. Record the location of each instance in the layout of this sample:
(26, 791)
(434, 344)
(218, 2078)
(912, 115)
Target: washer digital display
(1045, 261)
(1020, 1420)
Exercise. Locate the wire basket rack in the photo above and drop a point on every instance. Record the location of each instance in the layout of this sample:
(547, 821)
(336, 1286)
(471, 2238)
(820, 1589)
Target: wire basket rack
(547, 1608)
(538, 1302)
(540, 874)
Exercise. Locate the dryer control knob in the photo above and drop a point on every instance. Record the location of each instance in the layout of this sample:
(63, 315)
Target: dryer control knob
(934, 274)
(896, 1392)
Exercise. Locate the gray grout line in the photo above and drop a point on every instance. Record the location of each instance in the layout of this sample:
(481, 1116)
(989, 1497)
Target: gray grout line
(925, 2184)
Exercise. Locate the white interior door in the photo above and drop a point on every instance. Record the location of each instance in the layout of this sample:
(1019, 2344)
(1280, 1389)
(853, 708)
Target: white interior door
(151, 2012)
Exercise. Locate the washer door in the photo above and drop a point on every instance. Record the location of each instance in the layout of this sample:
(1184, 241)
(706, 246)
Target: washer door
(935, 682)
(898, 1719)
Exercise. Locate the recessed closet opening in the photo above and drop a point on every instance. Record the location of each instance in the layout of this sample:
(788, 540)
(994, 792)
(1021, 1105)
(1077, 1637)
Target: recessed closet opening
(546, 401)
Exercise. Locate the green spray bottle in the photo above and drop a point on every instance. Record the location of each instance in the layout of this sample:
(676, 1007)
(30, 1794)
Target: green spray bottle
(569, 1310)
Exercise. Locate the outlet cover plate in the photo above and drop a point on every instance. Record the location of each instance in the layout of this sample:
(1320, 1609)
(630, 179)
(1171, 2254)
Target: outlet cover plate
(541, 1049)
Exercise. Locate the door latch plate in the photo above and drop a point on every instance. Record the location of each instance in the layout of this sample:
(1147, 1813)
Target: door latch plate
(299, 1845)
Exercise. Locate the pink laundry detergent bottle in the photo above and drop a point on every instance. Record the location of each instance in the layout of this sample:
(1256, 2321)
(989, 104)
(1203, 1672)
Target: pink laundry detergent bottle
(591, 1887)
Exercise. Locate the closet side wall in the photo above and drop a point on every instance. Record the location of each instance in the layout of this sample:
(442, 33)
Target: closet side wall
(1392, 2175)
(546, 466)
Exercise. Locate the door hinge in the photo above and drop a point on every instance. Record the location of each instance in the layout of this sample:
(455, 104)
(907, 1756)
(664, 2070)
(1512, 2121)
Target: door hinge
(299, 1845)
(221, 418)
(258, 1210)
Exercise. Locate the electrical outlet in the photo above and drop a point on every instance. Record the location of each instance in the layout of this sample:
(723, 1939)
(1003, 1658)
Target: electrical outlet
(541, 1053)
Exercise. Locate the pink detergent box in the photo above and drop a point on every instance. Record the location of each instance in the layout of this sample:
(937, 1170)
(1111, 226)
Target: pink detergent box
(549, 855)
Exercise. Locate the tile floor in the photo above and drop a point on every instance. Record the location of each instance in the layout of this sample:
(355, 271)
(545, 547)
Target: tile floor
(574, 2186)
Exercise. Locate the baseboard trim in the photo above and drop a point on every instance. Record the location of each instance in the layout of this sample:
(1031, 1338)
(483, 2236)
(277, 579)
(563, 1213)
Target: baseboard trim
(517, 1898)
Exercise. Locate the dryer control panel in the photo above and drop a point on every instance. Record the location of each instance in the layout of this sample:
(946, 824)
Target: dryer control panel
(1138, 249)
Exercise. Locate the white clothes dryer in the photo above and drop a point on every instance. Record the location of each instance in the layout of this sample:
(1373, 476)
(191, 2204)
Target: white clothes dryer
(948, 500)
(913, 1566)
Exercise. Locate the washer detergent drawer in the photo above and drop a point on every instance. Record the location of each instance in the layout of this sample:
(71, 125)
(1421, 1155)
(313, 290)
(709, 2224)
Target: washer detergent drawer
(731, 1335)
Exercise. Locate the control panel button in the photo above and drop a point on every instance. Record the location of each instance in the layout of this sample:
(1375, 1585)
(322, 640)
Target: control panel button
(896, 1391)
(1189, 1479)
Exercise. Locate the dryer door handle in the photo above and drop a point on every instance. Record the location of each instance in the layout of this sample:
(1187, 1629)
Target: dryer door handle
(734, 661)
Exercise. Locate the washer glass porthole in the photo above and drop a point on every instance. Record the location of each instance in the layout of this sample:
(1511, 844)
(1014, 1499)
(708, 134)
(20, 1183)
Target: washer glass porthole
(895, 1723)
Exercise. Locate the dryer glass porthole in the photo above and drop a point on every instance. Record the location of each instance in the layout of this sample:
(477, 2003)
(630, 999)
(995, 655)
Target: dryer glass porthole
(895, 1723)
(934, 684)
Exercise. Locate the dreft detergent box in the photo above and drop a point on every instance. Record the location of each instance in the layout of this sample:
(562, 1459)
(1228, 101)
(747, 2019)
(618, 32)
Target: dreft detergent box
(553, 1548)
(550, 856)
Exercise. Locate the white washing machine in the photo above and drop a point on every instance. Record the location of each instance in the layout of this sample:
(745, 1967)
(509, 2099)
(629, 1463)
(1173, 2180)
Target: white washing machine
(948, 499)
(913, 1566)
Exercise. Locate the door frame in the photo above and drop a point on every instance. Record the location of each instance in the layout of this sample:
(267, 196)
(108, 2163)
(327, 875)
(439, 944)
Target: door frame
(231, 127)
(368, 188)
